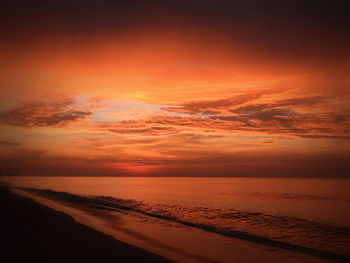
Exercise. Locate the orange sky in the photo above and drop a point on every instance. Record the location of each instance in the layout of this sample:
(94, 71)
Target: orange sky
(172, 100)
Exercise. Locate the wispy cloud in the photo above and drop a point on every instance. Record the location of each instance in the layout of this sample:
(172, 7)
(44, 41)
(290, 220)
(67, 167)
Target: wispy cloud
(10, 144)
(212, 107)
(311, 117)
(43, 113)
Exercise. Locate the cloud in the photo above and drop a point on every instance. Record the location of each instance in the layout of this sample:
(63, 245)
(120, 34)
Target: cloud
(239, 104)
(311, 117)
(166, 125)
(305, 101)
(43, 113)
(318, 136)
(269, 114)
(144, 130)
(7, 143)
(210, 107)
(185, 163)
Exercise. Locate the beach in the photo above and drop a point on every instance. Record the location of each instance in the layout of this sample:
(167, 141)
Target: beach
(33, 232)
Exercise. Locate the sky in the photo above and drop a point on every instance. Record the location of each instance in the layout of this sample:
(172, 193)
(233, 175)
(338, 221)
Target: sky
(175, 88)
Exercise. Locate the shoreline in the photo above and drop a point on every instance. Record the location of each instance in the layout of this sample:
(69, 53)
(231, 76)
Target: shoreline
(33, 232)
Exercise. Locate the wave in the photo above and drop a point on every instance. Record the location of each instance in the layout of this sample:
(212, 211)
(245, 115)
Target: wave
(288, 196)
(284, 232)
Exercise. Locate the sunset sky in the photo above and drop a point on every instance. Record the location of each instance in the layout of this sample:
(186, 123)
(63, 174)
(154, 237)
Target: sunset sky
(175, 88)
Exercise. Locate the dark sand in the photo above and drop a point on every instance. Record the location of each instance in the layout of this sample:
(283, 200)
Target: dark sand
(31, 232)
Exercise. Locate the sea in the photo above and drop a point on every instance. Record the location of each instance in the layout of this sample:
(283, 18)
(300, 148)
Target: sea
(208, 219)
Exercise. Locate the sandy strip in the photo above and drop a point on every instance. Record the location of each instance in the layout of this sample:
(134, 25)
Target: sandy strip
(33, 232)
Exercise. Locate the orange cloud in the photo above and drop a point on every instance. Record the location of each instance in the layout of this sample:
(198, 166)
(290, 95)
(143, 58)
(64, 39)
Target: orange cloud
(49, 113)
(307, 117)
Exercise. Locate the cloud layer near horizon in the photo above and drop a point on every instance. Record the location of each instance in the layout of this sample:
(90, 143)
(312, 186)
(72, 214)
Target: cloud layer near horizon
(244, 130)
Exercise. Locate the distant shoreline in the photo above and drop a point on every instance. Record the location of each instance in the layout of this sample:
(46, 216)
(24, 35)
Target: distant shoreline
(33, 232)
(184, 176)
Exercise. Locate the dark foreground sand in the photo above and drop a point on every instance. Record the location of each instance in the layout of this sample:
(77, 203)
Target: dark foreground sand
(31, 232)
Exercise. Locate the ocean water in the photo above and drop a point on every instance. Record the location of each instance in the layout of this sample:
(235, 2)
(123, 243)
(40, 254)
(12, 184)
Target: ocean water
(208, 219)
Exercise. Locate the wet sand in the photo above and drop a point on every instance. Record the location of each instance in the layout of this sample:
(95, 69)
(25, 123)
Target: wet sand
(33, 232)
